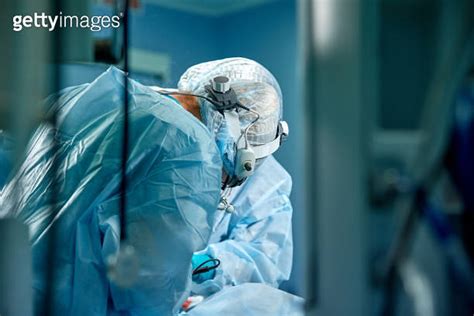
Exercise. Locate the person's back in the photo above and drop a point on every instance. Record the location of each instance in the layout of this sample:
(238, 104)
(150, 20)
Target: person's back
(173, 189)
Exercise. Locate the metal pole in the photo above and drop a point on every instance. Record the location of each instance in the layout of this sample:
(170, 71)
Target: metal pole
(338, 114)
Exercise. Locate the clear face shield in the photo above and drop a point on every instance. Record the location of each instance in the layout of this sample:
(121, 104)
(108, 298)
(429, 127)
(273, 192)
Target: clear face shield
(249, 114)
(242, 117)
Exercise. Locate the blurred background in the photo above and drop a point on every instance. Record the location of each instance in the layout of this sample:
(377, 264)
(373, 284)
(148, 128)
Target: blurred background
(379, 97)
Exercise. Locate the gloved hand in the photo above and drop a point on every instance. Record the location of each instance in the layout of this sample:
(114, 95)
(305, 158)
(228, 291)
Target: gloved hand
(199, 259)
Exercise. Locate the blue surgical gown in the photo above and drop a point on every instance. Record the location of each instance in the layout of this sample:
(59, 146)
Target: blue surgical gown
(174, 173)
(250, 299)
(254, 243)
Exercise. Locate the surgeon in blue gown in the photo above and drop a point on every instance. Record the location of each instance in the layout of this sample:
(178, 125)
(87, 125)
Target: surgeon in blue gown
(253, 237)
(174, 171)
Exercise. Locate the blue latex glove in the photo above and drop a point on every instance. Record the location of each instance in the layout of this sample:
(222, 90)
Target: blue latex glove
(197, 260)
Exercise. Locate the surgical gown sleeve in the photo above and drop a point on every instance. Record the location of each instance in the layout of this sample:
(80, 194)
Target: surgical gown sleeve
(256, 243)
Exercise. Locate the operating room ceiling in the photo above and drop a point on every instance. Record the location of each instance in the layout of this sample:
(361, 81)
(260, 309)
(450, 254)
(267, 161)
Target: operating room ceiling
(208, 7)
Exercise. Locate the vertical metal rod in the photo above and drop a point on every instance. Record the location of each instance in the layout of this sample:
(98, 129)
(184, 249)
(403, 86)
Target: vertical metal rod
(48, 307)
(307, 69)
(123, 186)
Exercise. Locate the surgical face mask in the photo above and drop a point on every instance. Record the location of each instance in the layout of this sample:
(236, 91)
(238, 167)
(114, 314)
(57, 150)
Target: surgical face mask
(219, 129)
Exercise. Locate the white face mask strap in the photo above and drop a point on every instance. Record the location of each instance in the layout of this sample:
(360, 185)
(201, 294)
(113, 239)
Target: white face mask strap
(164, 90)
(267, 149)
(263, 151)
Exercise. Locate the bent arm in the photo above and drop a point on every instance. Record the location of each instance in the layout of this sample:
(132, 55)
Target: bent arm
(259, 245)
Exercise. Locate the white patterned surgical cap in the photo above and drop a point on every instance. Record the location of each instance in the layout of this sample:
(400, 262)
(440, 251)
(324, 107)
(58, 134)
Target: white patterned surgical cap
(255, 86)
